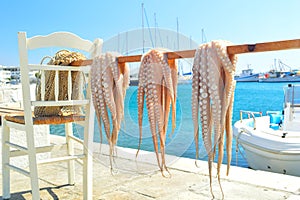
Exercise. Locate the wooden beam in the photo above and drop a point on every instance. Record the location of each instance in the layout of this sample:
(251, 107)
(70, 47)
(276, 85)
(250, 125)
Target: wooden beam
(181, 54)
(234, 49)
(264, 47)
(134, 58)
(81, 63)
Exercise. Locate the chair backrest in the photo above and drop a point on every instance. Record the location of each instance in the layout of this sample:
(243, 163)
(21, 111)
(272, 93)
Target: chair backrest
(63, 40)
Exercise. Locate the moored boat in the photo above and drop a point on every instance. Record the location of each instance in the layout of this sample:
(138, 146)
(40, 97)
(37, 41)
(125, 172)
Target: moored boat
(247, 75)
(272, 142)
(281, 73)
(282, 78)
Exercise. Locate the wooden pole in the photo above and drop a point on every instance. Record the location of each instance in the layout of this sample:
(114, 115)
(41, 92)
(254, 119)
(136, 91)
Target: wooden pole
(263, 47)
(234, 49)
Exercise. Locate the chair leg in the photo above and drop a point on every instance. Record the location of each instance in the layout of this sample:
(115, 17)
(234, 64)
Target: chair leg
(5, 161)
(87, 175)
(88, 152)
(32, 164)
(70, 149)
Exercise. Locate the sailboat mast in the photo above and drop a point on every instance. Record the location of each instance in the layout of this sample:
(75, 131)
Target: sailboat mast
(179, 64)
(143, 28)
(177, 34)
(155, 28)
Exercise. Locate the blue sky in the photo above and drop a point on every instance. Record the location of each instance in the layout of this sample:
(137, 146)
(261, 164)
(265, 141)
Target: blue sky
(234, 20)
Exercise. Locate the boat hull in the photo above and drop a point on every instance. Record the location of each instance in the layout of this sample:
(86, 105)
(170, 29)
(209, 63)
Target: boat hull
(280, 79)
(267, 149)
(261, 159)
(250, 78)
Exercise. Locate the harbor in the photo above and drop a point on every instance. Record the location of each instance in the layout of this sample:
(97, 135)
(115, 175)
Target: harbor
(279, 72)
(248, 96)
(139, 178)
(122, 101)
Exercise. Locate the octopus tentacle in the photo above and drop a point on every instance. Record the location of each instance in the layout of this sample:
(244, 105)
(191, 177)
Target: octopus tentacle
(170, 82)
(168, 100)
(217, 79)
(96, 89)
(102, 103)
(174, 76)
(166, 105)
(206, 109)
(141, 95)
(157, 83)
(117, 93)
(158, 90)
(154, 94)
(215, 84)
(229, 132)
(121, 83)
(215, 92)
(108, 96)
(108, 84)
(152, 118)
(126, 79)
(105, 101)
(195, 102)
(229, 68)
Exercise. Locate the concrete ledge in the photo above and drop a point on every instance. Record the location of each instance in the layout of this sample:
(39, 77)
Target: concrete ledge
(140, 179)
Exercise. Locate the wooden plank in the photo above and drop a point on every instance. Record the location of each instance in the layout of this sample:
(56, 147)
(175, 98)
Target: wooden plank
(137, 58)
(264, 47)
(234, 49)
(181, 54)
(134, 58)
(81, 63)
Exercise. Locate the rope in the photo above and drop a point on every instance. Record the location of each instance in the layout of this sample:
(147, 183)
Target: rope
(64, 58)
(237, 149)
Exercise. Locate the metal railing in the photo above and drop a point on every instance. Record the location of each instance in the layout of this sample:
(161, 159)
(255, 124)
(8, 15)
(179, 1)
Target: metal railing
(250, 114)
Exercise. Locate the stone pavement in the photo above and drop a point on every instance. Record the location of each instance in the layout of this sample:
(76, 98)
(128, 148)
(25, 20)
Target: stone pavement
(140, 179)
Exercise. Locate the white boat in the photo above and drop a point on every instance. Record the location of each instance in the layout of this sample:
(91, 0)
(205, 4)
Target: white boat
(185, 79)
(272, 142)
(281, 73)
(280, 79)
(247, 75)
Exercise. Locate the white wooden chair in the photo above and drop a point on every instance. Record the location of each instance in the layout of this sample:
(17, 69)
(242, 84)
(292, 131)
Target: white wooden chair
(28, 121)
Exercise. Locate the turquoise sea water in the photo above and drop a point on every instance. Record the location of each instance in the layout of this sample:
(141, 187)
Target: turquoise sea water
(248, 96)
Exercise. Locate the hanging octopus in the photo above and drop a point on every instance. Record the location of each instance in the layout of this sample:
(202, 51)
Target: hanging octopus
(108, 85)
(158, 85)
(212, 95)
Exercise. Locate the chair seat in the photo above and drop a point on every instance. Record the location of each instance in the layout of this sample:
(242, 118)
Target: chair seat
(9, 111)
(46, 119)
